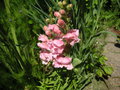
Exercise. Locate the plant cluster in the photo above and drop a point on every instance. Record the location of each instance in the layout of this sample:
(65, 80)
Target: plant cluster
(68, 33)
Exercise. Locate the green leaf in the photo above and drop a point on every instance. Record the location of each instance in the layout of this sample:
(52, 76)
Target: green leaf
(108, 70)
(99, 72)
(76, 62)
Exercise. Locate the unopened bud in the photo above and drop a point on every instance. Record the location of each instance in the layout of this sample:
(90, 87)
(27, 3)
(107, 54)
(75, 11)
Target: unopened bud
(50, 9)
(62, 11)
(53, 19)
(68, 19)
(57, 14)
(45, 28)
(47, 20)
(69, 7)
(64, 2)
(60, 22)
(60, 4)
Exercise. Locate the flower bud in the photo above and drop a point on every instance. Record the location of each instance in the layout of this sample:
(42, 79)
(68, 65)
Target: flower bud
(53, 19)
(62, 11)
(69, 7)
(57, 14)
(60, 22)
(64, 2)
(50, 9)
(68, 19)
(45, 28)
(60, 4)
(47, 20)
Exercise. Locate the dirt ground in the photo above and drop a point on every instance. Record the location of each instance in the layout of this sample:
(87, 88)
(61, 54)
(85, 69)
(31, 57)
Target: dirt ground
(112, 52)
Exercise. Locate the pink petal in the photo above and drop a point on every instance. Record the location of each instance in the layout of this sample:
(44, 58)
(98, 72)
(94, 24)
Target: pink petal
(69, 66)
(58, 43)
(46, 56)
(54, 28)
(57, 14)
(57, 65)
(60, 22)
(62, 11)
(43, 38)
(43, 46)
(45, 28)
(64, 60)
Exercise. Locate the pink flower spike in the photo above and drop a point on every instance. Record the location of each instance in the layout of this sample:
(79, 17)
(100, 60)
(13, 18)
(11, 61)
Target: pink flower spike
(43, 38)
(57, 14)
(60, 22)
(62, 11)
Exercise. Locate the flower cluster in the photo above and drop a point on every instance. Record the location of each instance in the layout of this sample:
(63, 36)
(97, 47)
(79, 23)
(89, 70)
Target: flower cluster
(53, 44)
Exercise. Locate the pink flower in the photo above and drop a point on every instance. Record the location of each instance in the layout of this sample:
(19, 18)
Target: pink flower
(43, 38)
(61, 62)
(62, 11)
(45, 56)
(72, 36)
(57, 14)
(54, 28)
(60, 22)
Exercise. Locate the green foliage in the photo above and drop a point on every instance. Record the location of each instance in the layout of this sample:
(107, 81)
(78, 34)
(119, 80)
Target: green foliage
(110, 14)
(22, 21)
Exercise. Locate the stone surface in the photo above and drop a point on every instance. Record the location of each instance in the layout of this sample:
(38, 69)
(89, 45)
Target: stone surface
(113, 54)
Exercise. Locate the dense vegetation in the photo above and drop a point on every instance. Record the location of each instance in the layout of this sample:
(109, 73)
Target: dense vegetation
(21, 21)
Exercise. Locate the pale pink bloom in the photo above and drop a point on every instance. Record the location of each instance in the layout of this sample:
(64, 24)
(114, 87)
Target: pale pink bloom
(57, 14)
(62, 11)
(64, 60)
(45, 56)
(69, 66)
(61, 62)
(57, 65)
(43, 45)
(60, 22)
(72, 36)
(57, 50)
(58, 42)
(43, 38)
(54, 28)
